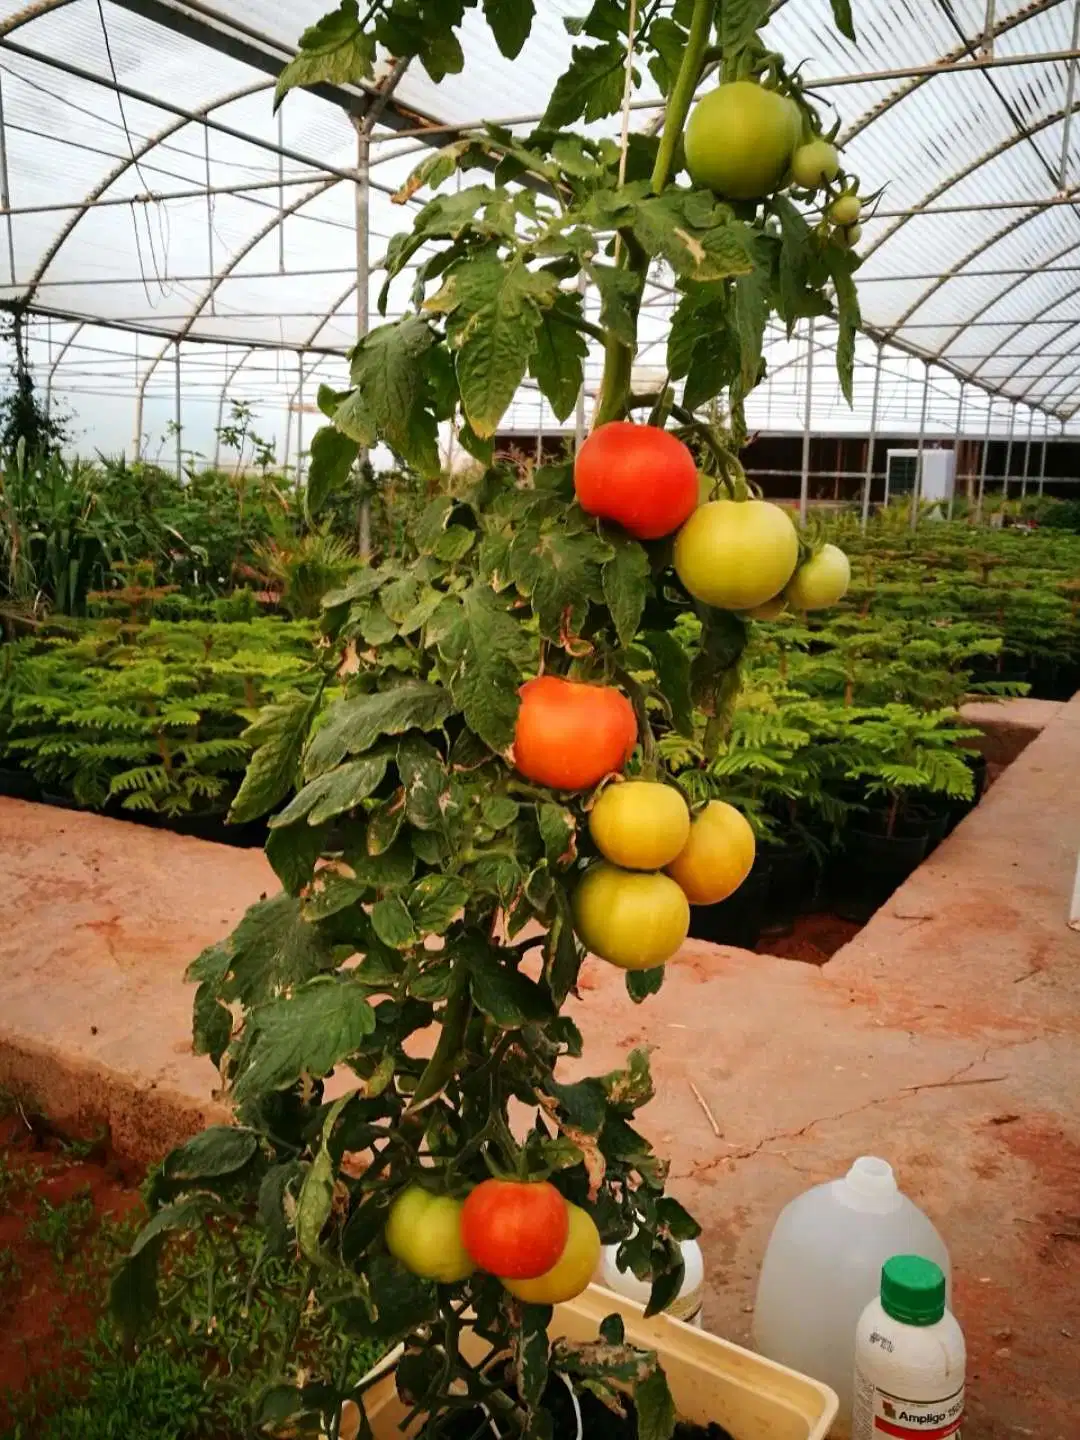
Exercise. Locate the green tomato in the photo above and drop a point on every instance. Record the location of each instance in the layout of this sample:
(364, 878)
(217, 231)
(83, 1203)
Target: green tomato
(423, 1231)
(815, 165)
(821, 582)
(739, 140)
(845, 210)
(850, 236)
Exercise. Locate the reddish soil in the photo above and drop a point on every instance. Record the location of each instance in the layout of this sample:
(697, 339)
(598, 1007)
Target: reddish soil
(815, 939)
(47, 1301)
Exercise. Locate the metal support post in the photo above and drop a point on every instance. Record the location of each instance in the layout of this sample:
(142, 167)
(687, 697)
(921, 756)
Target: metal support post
(959, 442)
(804, 485)
(179, 421)
(5, 190)
(1042, 461)
(916, 493)
(1008, 456)
(363, 296)
(872, 442)
(1070, 93)
(985, 459)
(1027, 456)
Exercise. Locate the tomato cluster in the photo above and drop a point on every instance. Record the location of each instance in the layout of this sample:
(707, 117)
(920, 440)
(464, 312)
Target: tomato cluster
(632, 905)
(542, 1248)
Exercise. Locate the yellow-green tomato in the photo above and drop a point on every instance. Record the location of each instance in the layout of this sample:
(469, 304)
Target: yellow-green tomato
(845, 210)
(739, 140)
(573, 1270)
(815, 164)
(640, 825)
(718, 856)
(632, 919)
(821, 582)
(850, 236)
(424, 1232)
(736, 554)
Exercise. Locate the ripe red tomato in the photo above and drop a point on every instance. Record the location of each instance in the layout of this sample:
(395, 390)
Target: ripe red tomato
(639, 476)
(569, 735)
(515, 1229)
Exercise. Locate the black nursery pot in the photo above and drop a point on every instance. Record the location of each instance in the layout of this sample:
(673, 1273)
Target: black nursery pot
(872, 866)
(738, 920)
(793, 875)
(18, 784)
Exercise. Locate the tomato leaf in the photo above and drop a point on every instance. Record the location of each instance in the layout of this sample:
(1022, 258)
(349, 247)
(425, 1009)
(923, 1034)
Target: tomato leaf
(332, 457)
(558, 363)
(511, 22)
(279, 736)
(531, 1350)
(393, 923)
(271, 950)
(423, 774)
(505, 996)
(294, 853)
(591, 88)
(739, 19)
(842, 264)
(221, 1150)
(652, 1396)
(626, 586)
(494, 316)
(390, 368)
(489, 652)
(336, 791)
(558, 830)
(841, 10)
(673, 671)
(310, 1032)
(335, 51)
(640, 984)
(435, 902)
(620, 298)
(561, 573)
(353, 726)
(562, 955)
(316, 1197)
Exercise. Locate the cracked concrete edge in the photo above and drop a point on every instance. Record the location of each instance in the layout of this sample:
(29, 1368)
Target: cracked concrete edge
(957, 1078)
(144, 1120)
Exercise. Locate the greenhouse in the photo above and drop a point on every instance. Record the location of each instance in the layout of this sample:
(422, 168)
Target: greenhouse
(539, 719)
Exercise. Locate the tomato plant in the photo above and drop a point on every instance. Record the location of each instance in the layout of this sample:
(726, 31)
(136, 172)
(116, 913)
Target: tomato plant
(389, 1026)
(515, 1229)
(641, 477)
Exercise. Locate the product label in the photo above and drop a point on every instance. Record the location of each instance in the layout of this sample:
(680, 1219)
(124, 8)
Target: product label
(879, 1414)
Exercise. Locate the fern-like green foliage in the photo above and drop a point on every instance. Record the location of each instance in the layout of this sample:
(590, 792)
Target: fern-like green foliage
(150, 717)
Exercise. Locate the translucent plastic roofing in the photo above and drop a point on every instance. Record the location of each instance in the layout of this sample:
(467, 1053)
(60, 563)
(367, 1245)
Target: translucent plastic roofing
(165, 228)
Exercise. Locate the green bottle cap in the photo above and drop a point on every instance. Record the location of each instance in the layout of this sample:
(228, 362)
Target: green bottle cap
(913, 1290)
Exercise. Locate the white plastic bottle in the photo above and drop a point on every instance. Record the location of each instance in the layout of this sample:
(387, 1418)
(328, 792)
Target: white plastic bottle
(823, 1267)
(686, 1306)
(909, 1358)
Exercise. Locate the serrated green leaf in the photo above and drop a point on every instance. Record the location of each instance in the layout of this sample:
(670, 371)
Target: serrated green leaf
(435, 902)
(316, 1197)
(271, 950)
(332, 457)
(490, 653)
(627, 578)
(849, 317)
(336, 51)
(505, 996)
(620, 298)
(279, 735)
(739, 19)
(393, 924)
(293, 854)
(558, 363)
(221, 1150)
(592, 87)
(653, 1400)
(425, 781)
(336, 791)
(494, 312)
(385, 824)
(558, 830)
(510, 21)
(751, 316)
(353, 726)
(562, 953)
(389, 369)
(561, 573)
(499, 811)
(673, 671)
(640, 984)
(309, 1033)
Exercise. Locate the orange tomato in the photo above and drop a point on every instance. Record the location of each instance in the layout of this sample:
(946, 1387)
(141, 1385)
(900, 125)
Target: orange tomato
(570, 735)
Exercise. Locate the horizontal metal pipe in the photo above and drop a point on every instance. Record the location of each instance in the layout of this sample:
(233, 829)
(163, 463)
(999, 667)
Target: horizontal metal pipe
(1036, 203)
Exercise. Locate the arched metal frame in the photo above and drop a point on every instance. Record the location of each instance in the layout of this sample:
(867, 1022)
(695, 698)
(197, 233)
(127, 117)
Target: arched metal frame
(975, 53)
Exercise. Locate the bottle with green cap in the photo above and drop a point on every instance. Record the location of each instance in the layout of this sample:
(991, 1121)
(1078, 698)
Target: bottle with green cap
(909, 1358)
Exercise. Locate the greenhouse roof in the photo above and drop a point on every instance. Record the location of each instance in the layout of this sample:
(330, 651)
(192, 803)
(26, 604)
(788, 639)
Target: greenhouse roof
(159, 221)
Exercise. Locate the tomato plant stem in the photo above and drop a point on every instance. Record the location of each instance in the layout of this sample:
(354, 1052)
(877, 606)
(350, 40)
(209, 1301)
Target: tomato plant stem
(682, 94)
